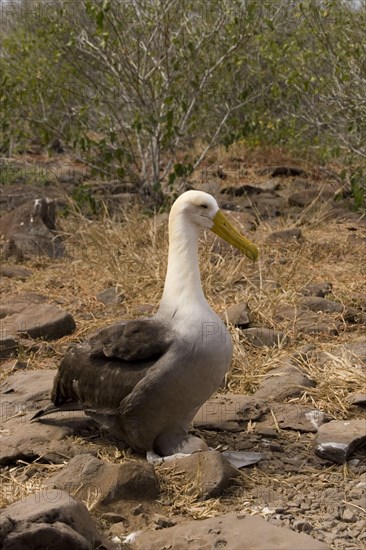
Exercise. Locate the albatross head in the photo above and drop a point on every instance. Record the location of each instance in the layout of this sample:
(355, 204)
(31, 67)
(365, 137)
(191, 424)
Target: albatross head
(202, 210)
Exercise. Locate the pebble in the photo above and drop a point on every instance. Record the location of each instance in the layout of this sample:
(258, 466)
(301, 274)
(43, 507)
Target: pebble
(302, 526)
(349, 516)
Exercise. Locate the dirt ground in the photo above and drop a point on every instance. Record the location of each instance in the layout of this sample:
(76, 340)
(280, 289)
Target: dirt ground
(127, 250)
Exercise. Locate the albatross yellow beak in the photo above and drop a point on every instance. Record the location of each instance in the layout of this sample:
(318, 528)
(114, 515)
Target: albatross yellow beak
(226, 231)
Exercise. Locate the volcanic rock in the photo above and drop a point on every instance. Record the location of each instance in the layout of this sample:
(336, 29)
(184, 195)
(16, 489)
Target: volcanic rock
(49, 519)
(31, 229)
(86, 475)
(237, 315)
(8, 344)
(282, 382)
(262, 337)
(208, 472)
(337, 440)
(227, 412)
(110, 296)
(230, 531)
(22, 395)
(15, 272)
(293, 416)
(316, 303)
(317, 289)
(46, 321)
(293, 234)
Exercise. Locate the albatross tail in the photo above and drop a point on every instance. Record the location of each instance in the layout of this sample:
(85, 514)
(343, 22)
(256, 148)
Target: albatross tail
(65, 407)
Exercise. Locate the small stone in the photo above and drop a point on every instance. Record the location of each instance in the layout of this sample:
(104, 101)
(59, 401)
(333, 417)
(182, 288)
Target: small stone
(144, 310)
(317, 289)
(349, 516)
(287, 171)
(15, 272)
(110, 296)
(316, 303)
(237, 315)
(266, 431)
(8, 344)
(262, 337)
(292, 234)
(357, 399)
(138, 510)
(303, 198)
(302, 526)
(112, 517)
(162, 522)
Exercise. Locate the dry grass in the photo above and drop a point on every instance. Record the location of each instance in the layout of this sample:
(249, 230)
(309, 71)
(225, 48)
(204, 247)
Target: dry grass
(131, 254)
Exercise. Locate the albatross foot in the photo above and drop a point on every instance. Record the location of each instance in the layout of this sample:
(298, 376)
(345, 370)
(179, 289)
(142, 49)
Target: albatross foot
(168, 444)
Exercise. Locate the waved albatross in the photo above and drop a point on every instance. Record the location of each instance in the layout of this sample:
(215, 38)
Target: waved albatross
(146, 379)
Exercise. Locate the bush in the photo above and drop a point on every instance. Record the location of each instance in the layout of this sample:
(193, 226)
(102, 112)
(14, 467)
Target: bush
(130, 87)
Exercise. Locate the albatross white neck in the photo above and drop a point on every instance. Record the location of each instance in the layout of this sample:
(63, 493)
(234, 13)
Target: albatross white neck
(183, 289)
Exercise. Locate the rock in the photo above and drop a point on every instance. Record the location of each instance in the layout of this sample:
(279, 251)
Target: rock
(353, 353)
(31, 229)
(162, 522)
(310, 324)
(293, 416)
(22, 395)
(144, 310)
(357, 399)
(208, 472)
(29, 442)
(227, 412)
(15, 272)
(14, 195)
(317, 289)
(287, 171)
(237, 315)
(302, 526)
(231, 531)
(242, 190)
(50, 519)
(26, 392)
(11, 366)
(283, 382)
(266, 205)
(348, 516)
(337, 440)
(305, 321)
(261, 337)
(17, 303)
(112, 517)
(46, 321)
(303, 198)
(293, 234)
(110, 296)
(8, 344)
(316, 303)
(87, 476)
(212, 188)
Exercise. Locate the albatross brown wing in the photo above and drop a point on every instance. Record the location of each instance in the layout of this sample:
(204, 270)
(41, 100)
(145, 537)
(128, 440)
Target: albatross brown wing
(101, 372)
(137, 340)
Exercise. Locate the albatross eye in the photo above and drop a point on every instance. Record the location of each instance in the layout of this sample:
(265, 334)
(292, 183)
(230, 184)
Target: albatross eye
(203, 206)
